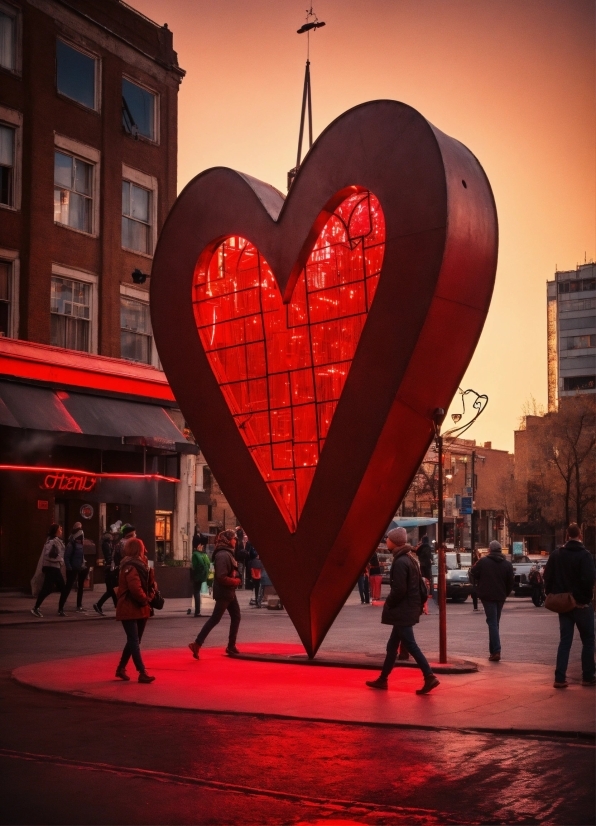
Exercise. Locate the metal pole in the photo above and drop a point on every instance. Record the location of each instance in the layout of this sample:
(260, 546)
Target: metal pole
(442, 596)
(472, 519)
(305, 92)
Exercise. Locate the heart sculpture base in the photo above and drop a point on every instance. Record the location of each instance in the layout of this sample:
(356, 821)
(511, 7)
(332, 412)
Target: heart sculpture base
(309, 341)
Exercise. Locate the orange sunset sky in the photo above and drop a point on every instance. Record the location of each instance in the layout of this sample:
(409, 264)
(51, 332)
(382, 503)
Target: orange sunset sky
(514, 80)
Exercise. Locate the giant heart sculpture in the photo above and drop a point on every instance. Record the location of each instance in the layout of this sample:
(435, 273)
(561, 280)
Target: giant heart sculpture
(309, 341)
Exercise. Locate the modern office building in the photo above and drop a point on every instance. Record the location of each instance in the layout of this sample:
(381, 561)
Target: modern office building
(571, 320)
(89, 428)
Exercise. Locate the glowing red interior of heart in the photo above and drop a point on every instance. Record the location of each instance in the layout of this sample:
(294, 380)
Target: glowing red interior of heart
(282, 367)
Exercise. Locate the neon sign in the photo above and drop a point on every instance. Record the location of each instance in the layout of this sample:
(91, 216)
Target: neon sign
(69, 481)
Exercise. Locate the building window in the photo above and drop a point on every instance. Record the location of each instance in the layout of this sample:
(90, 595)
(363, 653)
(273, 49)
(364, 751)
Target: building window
(136, 217)
(577, 286)
(579, 342)
(8, 39)
(579, 383)
(76, 75)
(138, 110)
(5, 290)
(135, 330)
(7, 165)
(73, 189)
(71, 314)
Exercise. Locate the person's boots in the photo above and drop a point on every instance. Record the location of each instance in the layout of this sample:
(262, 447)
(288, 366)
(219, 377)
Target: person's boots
(121, 674)
(430, 682)
(145, 678)
(380, 682)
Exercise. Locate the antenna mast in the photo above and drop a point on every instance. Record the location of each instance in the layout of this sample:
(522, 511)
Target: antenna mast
(312, 24)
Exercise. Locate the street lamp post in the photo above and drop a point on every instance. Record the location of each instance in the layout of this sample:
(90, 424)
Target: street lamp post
(479, 404)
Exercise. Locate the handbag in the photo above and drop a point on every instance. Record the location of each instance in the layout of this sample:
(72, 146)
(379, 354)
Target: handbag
(560, 603)
(157, 601)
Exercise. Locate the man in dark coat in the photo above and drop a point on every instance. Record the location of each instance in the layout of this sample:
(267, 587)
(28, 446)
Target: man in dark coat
(424, 553)
(227, 580)
(107, 550)
(76, 568)
(493, 577)
(402, 610)
(570, 569)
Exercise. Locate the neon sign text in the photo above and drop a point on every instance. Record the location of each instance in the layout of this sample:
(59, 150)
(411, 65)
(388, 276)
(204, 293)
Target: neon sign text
(68, 481)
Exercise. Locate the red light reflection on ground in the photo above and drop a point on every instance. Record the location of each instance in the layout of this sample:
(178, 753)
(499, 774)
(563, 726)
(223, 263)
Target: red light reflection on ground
(282, 368)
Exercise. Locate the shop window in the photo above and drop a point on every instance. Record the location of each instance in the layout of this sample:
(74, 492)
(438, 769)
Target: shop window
(136, 340)
(163, 536)
(76, 75)
(138, 110)
(71, 314)
(7, 165)
(136, 217)
(73, 192)
(8, 37)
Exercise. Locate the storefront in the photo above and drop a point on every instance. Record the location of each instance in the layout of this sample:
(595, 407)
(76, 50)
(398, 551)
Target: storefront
(73, 454)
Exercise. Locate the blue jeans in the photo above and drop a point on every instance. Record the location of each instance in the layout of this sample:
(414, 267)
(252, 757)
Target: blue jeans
(493, 617)
(405, 634)
(363, 588)
(584, 619)
(134, 632)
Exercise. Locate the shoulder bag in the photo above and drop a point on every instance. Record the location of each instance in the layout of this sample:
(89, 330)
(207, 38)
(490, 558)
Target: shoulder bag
(561, 603)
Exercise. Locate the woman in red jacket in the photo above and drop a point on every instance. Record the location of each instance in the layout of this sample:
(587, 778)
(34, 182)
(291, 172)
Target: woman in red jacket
(136, 587)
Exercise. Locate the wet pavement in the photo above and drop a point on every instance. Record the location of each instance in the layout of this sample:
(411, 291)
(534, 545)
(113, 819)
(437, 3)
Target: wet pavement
(71, 759)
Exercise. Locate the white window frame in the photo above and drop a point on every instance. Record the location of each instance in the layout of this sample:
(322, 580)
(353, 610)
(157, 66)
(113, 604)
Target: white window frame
(61, 271)
(142, 296)
(14, 119)
(97, 84)
(135, 176)
(15, 13)
(12, 256)
(156, 108)
(90, 155)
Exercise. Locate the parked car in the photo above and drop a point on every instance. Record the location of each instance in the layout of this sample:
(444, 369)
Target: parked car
(457, 583)
(522, 565)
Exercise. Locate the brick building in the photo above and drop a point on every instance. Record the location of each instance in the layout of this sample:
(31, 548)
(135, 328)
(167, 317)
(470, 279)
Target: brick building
(88, 163)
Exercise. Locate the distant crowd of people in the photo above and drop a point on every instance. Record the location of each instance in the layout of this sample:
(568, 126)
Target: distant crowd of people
(566, 586)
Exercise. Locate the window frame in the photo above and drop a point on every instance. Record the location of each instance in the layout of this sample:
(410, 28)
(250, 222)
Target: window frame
(60, 271)
(16, 14)
(14, 120)
(156, 110)
(77, 47)
(87, 154)
(12, 258)
(142, 296)
(141, 179)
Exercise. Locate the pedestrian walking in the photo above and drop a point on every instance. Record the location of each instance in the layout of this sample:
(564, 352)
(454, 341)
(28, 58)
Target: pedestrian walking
(402, 610)
(570, 570)
(424, 553)
(52, 564)
(493, 577)
(76, 568)
(364, 586)
(200, 564)
(375, 578)
(136, 588)
(111, 581)
(473, 591)
(536, 580)
(256, 573)
(226, 581)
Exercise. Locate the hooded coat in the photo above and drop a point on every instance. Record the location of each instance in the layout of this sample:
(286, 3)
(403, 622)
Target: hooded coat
(227, 578)
(570, 569)
(74, 556)
(403, 606)
(493, 577)
(136, 586)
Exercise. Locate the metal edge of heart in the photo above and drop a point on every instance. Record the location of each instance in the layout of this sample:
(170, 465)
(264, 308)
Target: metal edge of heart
(431, 303)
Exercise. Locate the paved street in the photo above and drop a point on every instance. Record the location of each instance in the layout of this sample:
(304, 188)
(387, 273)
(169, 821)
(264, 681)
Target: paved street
(69, 759)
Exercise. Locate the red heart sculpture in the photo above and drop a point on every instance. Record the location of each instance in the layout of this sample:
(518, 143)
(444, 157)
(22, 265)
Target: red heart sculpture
(282, 368)
(316, 524)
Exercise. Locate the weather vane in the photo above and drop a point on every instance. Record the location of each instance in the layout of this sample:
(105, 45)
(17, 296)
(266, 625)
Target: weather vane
(312, 24)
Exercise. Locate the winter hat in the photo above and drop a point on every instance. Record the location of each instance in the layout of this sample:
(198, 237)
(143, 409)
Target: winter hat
(495, 547)
(398, 536)
(126, 529)
(76, 527)
(226, 536)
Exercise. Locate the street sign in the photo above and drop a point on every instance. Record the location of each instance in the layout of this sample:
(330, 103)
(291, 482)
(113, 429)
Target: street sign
(466, 505)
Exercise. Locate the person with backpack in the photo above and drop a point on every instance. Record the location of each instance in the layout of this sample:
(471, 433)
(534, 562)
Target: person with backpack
(136, 589)
(493, 577)
(76, 568)
(52, 562)
(570, 572)
(402, 610)
(200, 565)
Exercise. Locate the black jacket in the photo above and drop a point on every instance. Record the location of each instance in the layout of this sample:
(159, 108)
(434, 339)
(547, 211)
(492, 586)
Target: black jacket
(493, 577)
(403, 605)
(425, 558)
(570, 569)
